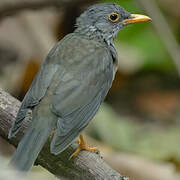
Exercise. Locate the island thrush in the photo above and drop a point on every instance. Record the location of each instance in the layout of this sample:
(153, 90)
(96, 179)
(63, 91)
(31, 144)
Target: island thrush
(71, 84)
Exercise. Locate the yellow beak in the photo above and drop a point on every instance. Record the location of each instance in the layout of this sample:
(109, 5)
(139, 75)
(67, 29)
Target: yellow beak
(135, 18)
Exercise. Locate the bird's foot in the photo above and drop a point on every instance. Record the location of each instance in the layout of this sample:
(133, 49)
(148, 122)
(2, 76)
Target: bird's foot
(82, 146)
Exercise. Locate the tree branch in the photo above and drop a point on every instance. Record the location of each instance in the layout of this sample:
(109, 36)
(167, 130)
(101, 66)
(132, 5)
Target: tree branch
(8, 9)
(86, 165)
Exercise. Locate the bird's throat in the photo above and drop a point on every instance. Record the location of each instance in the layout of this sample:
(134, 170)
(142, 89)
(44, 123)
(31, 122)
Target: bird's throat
(93, 33)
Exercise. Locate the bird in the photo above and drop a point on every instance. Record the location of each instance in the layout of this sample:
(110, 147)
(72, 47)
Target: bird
(71, 84)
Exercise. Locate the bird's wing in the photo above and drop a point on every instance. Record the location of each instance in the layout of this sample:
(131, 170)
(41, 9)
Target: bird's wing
(36, 91)
(79, 95)
(65, 133)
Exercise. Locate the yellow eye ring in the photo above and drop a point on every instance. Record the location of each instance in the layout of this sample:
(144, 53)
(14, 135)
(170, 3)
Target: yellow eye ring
(113, 17)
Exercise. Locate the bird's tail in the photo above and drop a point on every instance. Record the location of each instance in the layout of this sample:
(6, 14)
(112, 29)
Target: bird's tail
(29, 148)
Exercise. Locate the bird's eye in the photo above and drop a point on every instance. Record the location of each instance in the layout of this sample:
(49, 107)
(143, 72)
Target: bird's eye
(113, 17)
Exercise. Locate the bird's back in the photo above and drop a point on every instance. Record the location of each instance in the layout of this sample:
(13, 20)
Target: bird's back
(85, 66)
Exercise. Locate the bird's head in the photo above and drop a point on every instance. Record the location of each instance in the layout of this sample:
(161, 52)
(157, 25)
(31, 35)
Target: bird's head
(106, 20)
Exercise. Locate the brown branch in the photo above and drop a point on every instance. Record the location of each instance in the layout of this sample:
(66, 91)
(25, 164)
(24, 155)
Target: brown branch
(8, 9)
(87, 165)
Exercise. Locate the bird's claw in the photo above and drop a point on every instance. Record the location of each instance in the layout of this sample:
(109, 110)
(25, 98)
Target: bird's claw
(82, 146)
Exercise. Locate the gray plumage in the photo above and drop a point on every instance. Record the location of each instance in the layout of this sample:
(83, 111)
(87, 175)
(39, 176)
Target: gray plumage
(70, 86)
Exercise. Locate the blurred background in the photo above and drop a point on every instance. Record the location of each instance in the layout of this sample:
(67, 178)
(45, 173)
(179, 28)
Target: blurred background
(137, 129)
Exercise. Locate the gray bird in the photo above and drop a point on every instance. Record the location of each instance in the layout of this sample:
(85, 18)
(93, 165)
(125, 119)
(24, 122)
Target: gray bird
(71, 84)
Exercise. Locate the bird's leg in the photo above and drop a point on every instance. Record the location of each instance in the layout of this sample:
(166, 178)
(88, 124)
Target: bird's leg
(52, 133)
(82, 146)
